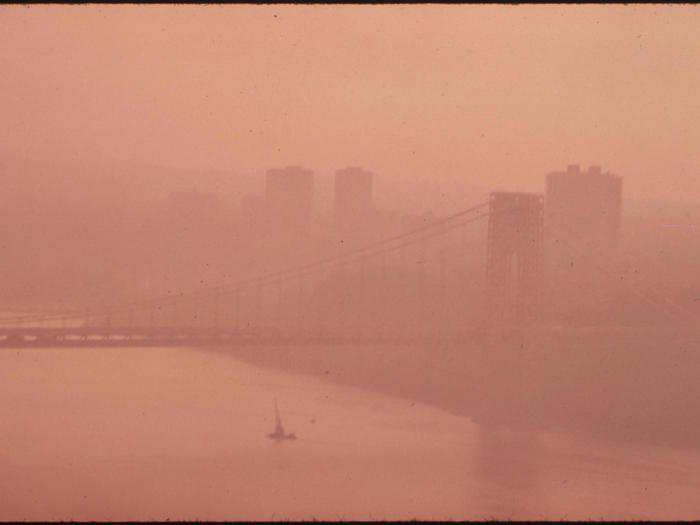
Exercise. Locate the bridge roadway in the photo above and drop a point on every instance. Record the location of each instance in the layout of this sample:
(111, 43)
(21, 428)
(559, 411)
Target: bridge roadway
(104, 336)
(41, 337)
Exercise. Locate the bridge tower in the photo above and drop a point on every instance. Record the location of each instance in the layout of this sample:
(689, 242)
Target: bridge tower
(514, 257)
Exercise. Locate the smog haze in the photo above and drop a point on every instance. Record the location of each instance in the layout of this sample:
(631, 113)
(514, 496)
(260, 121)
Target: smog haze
(287, 262)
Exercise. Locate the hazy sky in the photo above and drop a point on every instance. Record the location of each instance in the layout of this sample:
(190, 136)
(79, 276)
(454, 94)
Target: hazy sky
(495, 95)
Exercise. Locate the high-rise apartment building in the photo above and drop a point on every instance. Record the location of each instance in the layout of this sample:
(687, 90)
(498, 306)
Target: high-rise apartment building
(585, 207)
(583, 214)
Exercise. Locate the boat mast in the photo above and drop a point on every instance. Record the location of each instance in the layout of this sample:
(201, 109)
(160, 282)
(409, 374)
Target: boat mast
(277, 415)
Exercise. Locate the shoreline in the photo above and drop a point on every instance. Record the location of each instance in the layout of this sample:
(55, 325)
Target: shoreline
(522, 382)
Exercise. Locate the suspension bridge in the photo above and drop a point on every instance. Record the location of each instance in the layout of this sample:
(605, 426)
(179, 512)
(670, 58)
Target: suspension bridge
(229, 313)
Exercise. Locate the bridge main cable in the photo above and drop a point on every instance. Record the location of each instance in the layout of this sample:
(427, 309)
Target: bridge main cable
(565, 236)
(273, 277)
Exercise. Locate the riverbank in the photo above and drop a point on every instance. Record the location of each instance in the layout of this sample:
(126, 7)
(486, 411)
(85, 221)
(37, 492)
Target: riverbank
(172, 433)
(626, 384)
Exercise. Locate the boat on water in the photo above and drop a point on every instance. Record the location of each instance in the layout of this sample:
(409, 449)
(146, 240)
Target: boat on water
(279, 433)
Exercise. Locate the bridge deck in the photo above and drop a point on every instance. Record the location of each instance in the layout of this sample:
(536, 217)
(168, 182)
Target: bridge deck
(85, 336)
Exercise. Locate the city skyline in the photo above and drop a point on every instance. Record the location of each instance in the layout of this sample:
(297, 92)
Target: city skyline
(286, 262)
(617, 88)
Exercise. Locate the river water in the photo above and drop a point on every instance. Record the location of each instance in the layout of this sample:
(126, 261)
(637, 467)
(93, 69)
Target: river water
(176, 433)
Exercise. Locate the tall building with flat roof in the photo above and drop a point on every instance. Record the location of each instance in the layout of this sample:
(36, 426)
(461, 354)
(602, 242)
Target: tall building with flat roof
(353, 201)
(289, 199)
(583, 215)
(585, 207)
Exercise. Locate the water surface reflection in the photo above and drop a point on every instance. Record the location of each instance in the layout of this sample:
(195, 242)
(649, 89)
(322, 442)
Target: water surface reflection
(121, 434)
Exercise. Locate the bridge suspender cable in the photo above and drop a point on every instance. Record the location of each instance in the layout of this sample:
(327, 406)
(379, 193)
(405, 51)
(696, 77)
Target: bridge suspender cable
(273, 277)
(607, 272)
